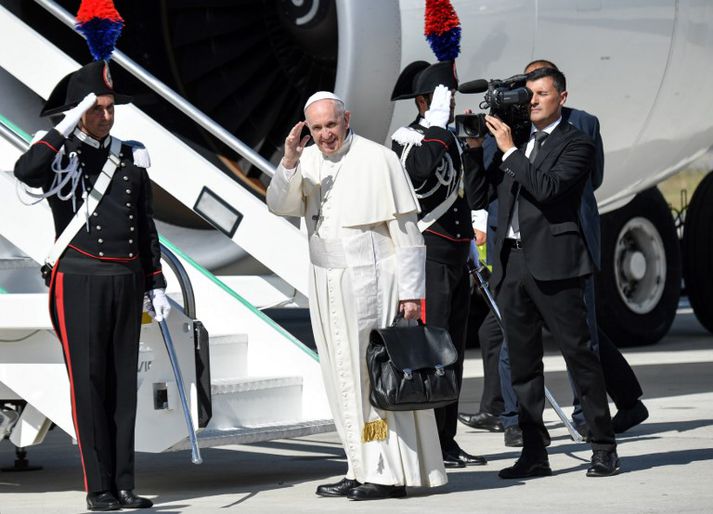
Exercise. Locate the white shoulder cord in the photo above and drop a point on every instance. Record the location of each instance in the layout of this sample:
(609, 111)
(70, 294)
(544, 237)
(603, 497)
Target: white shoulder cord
(62, 176)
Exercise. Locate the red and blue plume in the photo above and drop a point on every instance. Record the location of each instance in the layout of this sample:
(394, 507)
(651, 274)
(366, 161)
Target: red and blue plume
(101, 24)
(442, 29)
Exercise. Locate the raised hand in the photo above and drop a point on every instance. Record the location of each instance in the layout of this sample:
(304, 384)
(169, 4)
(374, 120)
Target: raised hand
(294, 146)
(72, 116)
(439, 112)
(501, 131)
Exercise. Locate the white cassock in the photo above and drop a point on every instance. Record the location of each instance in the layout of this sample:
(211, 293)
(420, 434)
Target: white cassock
(366, 254)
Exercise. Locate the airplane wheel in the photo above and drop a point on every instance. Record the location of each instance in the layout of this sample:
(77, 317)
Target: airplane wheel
(639, 284)
(698, 252)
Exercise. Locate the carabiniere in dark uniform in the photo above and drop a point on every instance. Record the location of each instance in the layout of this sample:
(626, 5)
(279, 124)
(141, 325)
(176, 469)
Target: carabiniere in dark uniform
(431, 155)
(98, 284)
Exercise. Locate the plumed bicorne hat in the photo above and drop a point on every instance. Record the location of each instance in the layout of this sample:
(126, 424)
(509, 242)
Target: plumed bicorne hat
(101, 24)
(442, 30)
(94, 78)
(421, 78)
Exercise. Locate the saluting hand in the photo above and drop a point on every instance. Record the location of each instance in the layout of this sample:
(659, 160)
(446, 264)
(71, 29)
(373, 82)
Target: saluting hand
(294, 146)
(502, 133)
(72, 116)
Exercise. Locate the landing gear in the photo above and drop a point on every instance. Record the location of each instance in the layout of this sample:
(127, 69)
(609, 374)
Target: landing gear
(21, 462)
(639, 284)
(697, 247)
(9, 415)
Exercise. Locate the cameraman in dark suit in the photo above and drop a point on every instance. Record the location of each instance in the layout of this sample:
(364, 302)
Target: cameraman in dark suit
(622, 385)
(541, 261)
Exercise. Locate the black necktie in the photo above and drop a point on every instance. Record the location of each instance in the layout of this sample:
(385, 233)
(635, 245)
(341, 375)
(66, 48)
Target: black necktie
(540, 136)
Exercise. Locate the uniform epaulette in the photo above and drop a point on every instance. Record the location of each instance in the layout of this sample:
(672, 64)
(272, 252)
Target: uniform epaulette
(140, 154)
(407, 135)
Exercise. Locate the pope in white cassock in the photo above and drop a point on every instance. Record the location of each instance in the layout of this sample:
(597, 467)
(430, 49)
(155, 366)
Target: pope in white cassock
(367, 263)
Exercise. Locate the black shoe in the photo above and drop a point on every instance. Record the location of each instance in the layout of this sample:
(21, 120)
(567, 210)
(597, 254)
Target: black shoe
(466, 459)
(376, 492)
(513, 436)
(102, 501)
(605, 463)
(525, 468)
(341, 488)
(129, 500)
(482, 421)
(627, 418)
(452, 461)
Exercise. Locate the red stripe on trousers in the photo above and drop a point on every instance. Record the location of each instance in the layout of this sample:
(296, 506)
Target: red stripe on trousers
(59, 306)
(423, 310)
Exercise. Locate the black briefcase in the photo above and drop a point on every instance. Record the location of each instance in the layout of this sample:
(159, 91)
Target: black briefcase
(411, 367)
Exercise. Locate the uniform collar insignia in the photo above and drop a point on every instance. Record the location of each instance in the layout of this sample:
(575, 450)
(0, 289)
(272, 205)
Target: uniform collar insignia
(89, 140)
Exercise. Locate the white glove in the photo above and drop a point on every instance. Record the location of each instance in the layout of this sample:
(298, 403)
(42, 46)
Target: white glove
(440, 109)
(157, 305)
(72, 116)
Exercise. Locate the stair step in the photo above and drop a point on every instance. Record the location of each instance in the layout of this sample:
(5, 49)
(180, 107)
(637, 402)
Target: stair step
(8, 263)
(244, 385)
(228, 357)
(21, 276)
(255, 401)
(208, 437)
(24, 311)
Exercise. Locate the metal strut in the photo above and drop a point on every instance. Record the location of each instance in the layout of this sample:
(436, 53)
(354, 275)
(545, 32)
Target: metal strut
(195, 450)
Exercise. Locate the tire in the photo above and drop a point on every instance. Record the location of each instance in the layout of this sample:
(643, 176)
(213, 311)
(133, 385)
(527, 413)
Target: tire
(697, 250)
(640, 281)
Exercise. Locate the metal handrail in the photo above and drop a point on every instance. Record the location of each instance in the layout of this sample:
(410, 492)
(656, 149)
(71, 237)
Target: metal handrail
(189, 297)
(12, 136)
(171, 96)
(7, 130)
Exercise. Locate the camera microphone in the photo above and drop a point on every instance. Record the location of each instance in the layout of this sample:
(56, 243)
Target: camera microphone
(474, 86)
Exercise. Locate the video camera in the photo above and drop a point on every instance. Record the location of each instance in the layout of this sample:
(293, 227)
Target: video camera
(507, 99)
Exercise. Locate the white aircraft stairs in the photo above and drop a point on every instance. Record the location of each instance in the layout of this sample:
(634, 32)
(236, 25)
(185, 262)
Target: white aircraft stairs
(247, 379)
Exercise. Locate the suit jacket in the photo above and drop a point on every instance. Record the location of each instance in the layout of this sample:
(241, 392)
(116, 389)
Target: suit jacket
(550, 191)
(589, 212)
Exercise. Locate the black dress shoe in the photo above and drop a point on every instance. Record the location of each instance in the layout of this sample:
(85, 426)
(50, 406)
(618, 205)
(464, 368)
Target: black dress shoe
(129, 500)
(452, 461)
(627, 418)
(526, 468)
(376, 492)
(102, 501)
(605, 463)
(466, 458)
(513, 436)
(482, 421)
(341, 488)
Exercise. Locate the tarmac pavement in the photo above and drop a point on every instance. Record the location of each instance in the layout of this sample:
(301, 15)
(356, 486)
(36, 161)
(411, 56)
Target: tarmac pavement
(667, 462)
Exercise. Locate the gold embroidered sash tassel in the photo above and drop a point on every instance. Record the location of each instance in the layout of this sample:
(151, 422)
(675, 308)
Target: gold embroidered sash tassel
(377, 430)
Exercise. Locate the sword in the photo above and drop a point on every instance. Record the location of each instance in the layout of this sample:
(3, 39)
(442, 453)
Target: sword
(477, 272)
(195, 450)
